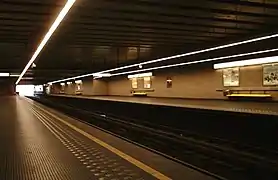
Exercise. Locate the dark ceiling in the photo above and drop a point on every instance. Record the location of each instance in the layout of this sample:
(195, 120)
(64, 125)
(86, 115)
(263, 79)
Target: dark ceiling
(101, 34)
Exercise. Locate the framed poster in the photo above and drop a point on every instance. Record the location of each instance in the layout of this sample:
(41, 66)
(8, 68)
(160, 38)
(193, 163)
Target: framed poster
(270, 74)
(47, 89)
(62, 88)
(78, 87)
(169, 82)
(134, 83)
(231, 77)
(147, 82)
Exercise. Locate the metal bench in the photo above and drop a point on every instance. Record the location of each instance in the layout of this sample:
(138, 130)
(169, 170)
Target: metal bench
(248, 92)
(255, 95)
(141, 92)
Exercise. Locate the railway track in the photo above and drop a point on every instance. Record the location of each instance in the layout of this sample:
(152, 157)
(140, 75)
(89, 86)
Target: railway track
(229, 160)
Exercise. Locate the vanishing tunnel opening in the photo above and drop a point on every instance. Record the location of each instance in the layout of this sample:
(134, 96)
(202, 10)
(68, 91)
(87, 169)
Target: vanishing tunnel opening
(29, 90)
(25, 90)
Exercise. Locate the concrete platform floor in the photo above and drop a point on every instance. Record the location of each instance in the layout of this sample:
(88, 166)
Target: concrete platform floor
(40, 143)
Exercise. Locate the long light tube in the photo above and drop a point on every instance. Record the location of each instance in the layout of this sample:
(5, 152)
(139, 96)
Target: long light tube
(102, 74)
(259, 61)
(14, 75)
(78, 82)
(53, 27)
(140, 75)
(186, 54)
(174, 65)
(177, 56)
(248, 62)
(4, 74)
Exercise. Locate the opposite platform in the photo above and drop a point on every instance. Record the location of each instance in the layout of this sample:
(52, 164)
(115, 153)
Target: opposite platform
(267, 108)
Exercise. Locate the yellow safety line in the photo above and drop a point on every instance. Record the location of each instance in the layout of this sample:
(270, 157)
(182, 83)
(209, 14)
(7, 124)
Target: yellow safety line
(250, 95)
(53, 131)
(130, 159)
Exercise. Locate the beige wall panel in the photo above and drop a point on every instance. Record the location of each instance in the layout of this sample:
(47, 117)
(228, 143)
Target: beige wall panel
(251, 76)
(119, 87)
(70, 89)
(94, 87)
(201, 83)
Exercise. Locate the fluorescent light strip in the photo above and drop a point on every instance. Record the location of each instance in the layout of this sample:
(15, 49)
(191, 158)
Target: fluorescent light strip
(78, 82)
(4, 74)
(248, 62)
(96, 75)
(102, 74)
(54, 26)
(181, 64)
(176, 56)
(14, 75)
(140, 75)
(195, 62)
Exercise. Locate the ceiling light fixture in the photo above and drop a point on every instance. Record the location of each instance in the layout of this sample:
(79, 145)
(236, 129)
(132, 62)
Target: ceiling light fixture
(175, 65)
(176, 56)
(102, 75)
(4, 74)
(191, 53)
(248, 62)
(140, 75)
(259, 61)
(95, 75)
(14, 75)
(53, 27)
(78, 82)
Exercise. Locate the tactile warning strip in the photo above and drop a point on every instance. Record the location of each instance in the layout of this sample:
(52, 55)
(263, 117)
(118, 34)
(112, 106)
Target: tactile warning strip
(30, 152)
(101, 163)
(253, 110)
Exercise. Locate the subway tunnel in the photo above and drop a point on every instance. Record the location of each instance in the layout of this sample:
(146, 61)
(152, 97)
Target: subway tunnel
(126, 89)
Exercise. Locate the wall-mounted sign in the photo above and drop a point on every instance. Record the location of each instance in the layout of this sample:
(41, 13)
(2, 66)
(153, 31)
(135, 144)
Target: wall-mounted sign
(134, 83)
(270, 74)
(169, 82)
(62, 88)
(231, 77)
(147, 82)
(142, 81)
(47, 89)
(38, 88)
(78, 88)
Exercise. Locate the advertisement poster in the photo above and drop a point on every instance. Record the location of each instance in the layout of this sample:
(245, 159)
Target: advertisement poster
(78, 87)
(270, 74)
(231, 77)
